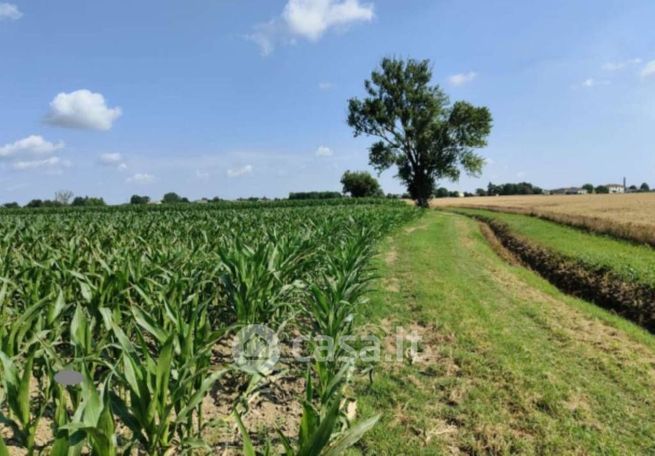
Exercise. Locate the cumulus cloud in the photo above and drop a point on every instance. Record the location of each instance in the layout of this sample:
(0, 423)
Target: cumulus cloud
(324, 151)
(312, 18)
(140, 178)
(462, 78)
(616, 66)
(82, 109)
(9, 11)
(237, 172)
(33, 145)
(48, 163)
(309, 19)
(649, 70)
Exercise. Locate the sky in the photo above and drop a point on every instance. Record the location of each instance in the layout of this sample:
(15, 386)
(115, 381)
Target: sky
(239, 98)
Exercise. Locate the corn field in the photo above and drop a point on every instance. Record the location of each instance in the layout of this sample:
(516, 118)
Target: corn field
(140, 305)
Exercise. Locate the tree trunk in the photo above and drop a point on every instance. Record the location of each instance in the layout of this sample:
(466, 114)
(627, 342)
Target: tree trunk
(423, 202)
(421, 188)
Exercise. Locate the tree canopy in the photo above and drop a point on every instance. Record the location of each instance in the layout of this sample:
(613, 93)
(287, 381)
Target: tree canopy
(87, 201)
(137, 199)
(420, 132)
(360, 184)
(173, 198)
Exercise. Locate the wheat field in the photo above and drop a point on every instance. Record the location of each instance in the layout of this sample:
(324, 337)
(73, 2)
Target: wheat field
(630, 216)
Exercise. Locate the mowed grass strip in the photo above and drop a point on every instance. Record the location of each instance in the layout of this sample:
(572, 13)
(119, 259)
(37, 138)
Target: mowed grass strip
(516, 367)
(633, 263)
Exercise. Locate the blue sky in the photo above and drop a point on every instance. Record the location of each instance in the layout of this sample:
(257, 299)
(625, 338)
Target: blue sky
(241, 98)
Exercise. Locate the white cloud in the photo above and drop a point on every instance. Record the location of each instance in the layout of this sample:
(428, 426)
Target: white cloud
(111, 159)
(591, 82)
(9, 11)
(325, 85)
(48, 163)
(649, 70)
(32, 145)
(462, 78)
(82, 109)
(114, 160)
(324, 151)
(237, 172)
(267, 35)
(202, 175)
(140, 178)
(312, 18)
(309, 19)
(616, 66)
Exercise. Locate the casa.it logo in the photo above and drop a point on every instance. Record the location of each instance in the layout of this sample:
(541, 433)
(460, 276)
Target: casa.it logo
(256, 349)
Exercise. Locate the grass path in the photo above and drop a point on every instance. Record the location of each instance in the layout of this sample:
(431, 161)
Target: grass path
(511, 365)
(630, 261)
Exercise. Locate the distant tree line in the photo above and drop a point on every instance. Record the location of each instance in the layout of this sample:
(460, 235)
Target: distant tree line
(357, 184)
(62, 198)
(521, 188)
(443, 192)
(314, 195)
(643, 188)
(80, 201)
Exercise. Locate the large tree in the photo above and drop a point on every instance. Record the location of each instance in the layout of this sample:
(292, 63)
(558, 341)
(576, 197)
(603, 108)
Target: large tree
(419, 130)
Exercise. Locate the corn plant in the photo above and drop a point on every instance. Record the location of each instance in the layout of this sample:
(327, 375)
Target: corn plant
(138, 299)
(16, 385)
(320, 432)
(91, 425)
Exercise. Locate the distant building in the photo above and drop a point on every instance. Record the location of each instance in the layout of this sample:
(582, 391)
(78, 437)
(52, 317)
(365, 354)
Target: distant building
(616, 188)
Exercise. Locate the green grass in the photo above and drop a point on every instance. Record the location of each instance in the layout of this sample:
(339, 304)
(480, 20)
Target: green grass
(632, 262)
(520, 367)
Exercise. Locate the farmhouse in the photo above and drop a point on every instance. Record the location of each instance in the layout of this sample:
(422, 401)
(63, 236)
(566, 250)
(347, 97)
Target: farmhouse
(616, 188)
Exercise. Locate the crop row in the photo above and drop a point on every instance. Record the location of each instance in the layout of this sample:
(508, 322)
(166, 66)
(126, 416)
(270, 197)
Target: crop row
(139, 302)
